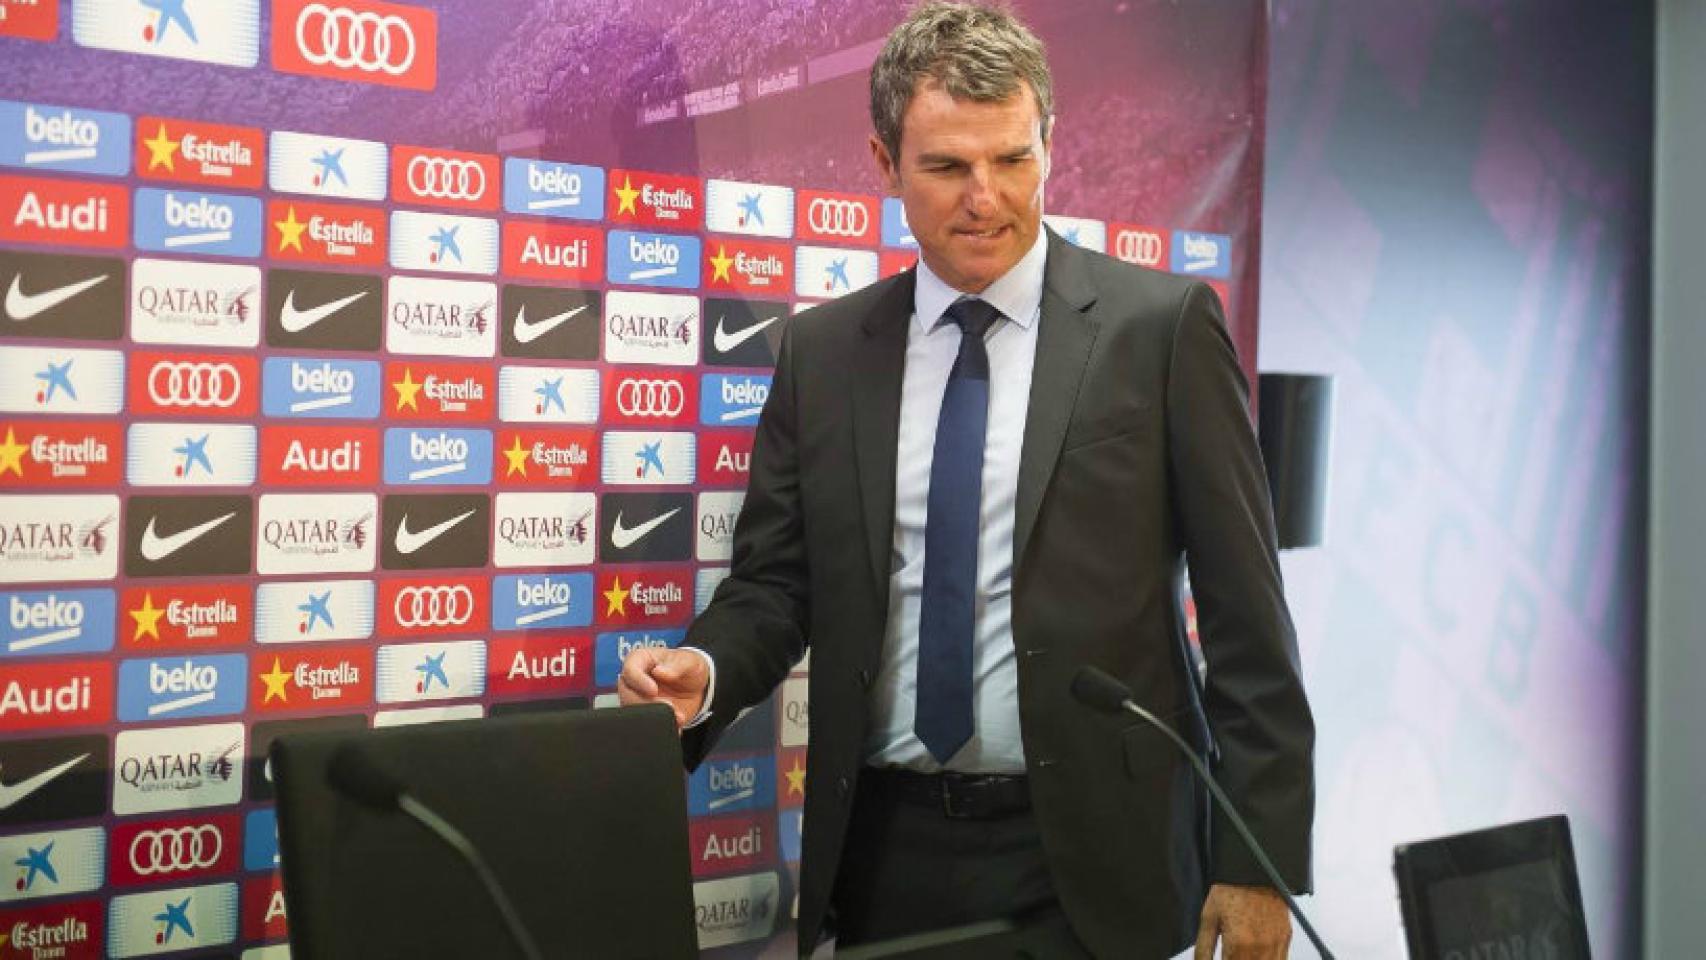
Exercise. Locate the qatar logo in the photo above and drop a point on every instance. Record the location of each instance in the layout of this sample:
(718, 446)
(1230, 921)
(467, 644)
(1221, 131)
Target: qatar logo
(362, 41)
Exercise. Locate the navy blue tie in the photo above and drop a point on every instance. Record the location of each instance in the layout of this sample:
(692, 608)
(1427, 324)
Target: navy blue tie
(943, 720)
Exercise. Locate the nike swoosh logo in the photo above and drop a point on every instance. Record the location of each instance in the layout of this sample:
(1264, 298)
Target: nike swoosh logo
(624, 537)
(156, 547)
(726, 341)
(408, 541)
(21, 306)
(12, 793)
(528, 332)
(296, 321)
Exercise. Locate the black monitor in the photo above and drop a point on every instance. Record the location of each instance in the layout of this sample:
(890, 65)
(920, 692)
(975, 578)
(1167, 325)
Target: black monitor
(1508, 891)
(581, 815)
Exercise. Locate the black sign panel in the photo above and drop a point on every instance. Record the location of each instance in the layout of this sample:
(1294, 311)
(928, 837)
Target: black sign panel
(645, 527)
(548, 323)
(188, 536)
(435, 531)
(57, 295)
(62, 778)
(309, 310)
(743, 333)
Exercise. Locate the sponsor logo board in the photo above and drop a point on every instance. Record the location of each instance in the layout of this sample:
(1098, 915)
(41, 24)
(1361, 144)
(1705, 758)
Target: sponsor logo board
(656, 328)
(730, 844)
(825, 217)
(828, 272)
(896, 231)
(306, 533)
(642, 397)
(58, 537)
(454, 318)
(36, 623)
(314, 611)
(743, 333)
(705, 583)
(748, 267)
(1198, 254)
(542, 601)
(406, 673)
(78, 213)
(1145, 246)
(437, 457)
(633, 458)
(542, 188)
(192, 685)
(736, 909)
(322, 166)
(538, 458)
(652, 259)
(545, 529)
(648, 527)
(309, 231)
(533, 665)
(732, 399)
(167, 921)
(751, 209)
(54, 778)
(60, 453)
(228, 34)
(725, 457)
(551, 323)
(187, 221)
(435, 531)
(61, 296)
(193, 384)
(645, 597)
(444, 178)
(553, 252)
(68, 930)
(439, 391)
(172, 849)
(312, 678)
(200, 304)
(36, 136)
(731, 785)
(186, 536)
(320, 388)
(311, 310)
(443, 243)
(177, 768)
(718, 511)
(656, 199)
(357, 41)
(52, 864)
(1080, 231)
(319, 456)
(194, 152)
(547, 395)
(190, 455)
(175, 616)
(424, 606)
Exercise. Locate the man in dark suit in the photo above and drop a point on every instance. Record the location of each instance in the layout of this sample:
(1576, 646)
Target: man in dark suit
(970, 480)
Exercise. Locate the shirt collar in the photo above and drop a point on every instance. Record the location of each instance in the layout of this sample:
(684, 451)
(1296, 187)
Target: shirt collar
(1017, 293)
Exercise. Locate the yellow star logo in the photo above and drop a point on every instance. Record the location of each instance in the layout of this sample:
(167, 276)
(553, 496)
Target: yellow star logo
(276, 682)
(161, 150)
(407, 391)
(290, 230)
(147, 618)
(625, 195)
(720, 265)
(517, 456)
(616, 599)
(12, 454)
(796, 776)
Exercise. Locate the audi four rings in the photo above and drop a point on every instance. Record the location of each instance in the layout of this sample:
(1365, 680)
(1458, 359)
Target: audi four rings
(447, 178)
(194, 384)
(439, 606)
(354, 41)
(839, 218)
(650, 398)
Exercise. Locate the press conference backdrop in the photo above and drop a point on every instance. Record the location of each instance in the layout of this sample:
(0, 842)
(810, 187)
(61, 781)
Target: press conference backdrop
(369, 363)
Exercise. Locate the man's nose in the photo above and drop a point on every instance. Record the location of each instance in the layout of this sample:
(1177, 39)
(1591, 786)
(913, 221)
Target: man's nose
(980, 192)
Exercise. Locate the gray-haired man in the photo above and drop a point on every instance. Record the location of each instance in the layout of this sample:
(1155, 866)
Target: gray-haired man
(969, 480)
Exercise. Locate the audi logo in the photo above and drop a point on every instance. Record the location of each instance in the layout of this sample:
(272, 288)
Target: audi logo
(650, 398)
(1138, 246)
(447, 179)
(194, 384)
(443, 606)
(176, 849)
(354, 41)
(840, 218)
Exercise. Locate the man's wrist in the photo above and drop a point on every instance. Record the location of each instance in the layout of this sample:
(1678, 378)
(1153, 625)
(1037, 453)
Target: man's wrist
(710, 690)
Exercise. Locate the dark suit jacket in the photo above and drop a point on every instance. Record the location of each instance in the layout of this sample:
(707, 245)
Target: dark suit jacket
(1137, 453)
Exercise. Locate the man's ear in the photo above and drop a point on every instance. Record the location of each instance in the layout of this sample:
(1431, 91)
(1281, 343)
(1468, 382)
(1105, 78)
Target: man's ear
(887, 165)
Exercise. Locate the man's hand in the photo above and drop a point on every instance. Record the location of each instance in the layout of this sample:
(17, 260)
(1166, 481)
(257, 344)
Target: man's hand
(659, 675)
(1252, 923)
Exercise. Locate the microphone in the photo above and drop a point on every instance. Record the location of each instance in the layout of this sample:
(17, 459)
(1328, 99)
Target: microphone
(353, 773)
(1095, 688)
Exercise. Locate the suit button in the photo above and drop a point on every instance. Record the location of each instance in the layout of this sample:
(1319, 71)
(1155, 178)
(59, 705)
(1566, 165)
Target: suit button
(841, 788)
(1036, 651)
(865, 679)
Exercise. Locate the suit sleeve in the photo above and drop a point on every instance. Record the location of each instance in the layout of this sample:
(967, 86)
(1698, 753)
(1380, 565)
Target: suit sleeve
(754, 629)
(1257, 712)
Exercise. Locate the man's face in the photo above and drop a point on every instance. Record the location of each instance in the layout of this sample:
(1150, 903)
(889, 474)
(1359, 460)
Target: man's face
(971, 178)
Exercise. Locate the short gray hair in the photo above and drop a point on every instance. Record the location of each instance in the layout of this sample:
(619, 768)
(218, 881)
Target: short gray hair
(978, 53)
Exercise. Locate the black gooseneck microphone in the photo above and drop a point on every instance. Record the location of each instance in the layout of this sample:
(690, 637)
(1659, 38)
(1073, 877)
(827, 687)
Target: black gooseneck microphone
(354, 774)
(1095, 688)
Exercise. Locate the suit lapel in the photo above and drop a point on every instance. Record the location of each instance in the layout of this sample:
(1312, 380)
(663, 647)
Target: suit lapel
(879, 363)
(1065, 336)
